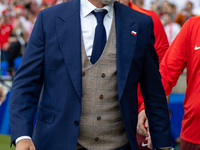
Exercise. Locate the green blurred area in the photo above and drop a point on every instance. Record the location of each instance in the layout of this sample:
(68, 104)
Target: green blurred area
(5, 142)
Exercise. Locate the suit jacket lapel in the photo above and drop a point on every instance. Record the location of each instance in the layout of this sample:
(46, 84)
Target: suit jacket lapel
(68, 29)
(126, 42)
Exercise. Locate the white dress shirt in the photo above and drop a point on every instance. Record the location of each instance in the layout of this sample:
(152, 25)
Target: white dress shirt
(88, 24)
(172, 30)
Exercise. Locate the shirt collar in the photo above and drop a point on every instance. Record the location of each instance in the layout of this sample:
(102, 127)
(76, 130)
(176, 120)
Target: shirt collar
(87, 8)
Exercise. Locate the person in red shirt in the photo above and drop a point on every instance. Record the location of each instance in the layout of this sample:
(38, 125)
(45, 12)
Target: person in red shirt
(185, 53)
(5, 32)
(161, 45)
(49, 2)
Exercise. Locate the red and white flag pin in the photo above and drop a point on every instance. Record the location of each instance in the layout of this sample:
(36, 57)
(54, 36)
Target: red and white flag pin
(134, 33)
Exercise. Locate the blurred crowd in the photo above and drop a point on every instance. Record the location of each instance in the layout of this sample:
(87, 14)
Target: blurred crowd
(17, 18)
(173, 13)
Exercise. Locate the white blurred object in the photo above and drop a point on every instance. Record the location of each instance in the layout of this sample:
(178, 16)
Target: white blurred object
(59, 1)
(39, 2)
(147, 4)
(2, 8)
(3, 93)
(181, 4)
(196, 10)
(172, 30)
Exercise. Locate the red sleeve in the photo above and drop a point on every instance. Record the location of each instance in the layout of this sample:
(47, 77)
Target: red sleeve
(161, 45)
(174, 60)
(140, 100)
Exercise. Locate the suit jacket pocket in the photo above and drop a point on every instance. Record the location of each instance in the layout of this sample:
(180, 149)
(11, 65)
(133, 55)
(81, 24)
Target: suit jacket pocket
(46, 115)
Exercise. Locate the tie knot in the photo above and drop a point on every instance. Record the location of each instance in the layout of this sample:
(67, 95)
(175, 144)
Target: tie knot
(100, 15)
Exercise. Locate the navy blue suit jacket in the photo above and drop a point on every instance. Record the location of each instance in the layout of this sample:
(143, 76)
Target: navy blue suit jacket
(53, 59)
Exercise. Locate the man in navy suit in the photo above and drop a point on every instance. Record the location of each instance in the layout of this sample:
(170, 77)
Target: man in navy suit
(88, 103)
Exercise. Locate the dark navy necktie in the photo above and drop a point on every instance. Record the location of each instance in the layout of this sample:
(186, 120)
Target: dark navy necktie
(99, 37)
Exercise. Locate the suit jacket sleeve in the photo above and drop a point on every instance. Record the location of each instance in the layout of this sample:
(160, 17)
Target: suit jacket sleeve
(27, 85)
(154, 96)
(161, 45)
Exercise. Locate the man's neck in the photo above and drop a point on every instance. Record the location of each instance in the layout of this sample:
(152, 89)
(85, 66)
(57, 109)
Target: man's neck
(97, 3)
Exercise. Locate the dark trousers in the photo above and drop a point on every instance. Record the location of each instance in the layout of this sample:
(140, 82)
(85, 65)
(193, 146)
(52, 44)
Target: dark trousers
(125, 147)
(188, 146)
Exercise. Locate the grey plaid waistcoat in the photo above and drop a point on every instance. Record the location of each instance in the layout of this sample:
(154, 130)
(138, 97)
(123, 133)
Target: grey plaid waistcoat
(101, 125)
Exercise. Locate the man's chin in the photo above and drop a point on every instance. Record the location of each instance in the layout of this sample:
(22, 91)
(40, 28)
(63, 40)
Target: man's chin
(107, 2)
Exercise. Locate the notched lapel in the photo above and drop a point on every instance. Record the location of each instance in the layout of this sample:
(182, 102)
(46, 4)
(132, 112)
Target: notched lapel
(126, 42)
(69, 38)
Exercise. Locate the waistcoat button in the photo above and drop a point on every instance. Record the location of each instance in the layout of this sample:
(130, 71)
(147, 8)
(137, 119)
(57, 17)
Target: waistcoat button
(99, 118)
(96, 139)
(76, 123)
(101, 96)
(103, 75)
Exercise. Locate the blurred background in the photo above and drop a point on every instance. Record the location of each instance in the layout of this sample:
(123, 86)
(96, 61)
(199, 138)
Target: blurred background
(17, 18)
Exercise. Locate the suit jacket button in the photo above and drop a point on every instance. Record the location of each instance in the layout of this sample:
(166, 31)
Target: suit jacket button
(83, 74)
(101, 96)
(99, 118)
(103, 75)
(76, 123)
(96, 139)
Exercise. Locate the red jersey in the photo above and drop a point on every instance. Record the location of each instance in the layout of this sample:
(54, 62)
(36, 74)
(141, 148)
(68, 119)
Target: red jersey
(185, 52)
(49, 2)
(161, 43)
(5, 32)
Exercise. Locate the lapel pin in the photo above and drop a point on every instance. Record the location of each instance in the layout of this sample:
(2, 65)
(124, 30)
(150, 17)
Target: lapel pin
(134, 33)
